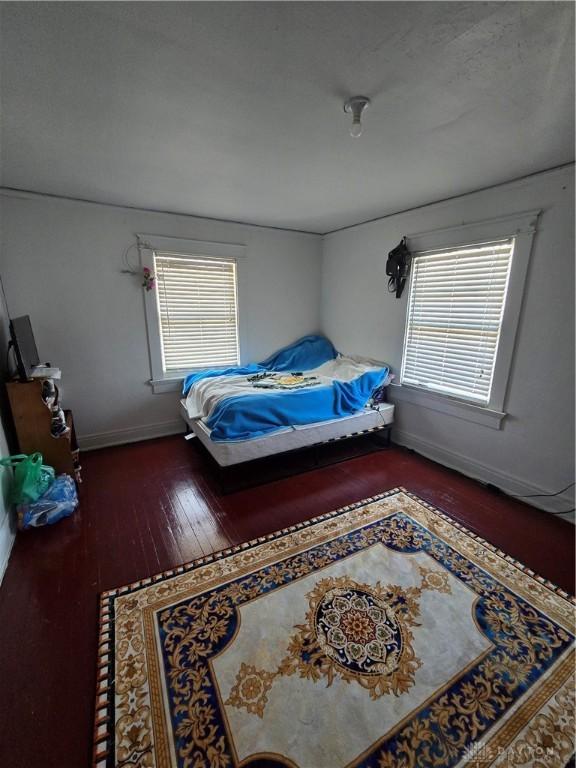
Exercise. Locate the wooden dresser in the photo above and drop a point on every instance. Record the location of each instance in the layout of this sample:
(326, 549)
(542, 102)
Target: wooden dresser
(33, 420)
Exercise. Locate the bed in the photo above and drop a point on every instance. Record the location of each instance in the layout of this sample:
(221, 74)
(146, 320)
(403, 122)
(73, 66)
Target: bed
(305, 395)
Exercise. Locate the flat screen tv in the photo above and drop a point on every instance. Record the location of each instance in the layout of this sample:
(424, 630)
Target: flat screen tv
(24, 346)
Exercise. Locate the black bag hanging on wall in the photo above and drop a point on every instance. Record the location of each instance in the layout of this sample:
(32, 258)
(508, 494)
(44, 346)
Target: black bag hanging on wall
(398, 267)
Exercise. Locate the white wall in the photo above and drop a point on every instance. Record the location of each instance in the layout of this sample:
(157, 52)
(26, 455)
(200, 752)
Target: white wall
(61, 263)
(534, 451)
(7, 520)
(7, 524)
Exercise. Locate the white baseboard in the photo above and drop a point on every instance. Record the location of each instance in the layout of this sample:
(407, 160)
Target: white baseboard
(130, 434)
(485, 474)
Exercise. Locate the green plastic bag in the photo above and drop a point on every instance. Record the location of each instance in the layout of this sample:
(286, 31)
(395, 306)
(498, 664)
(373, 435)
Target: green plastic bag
(31, 477)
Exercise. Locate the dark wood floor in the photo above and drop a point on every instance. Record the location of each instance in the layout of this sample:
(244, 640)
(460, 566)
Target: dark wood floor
(150, 506)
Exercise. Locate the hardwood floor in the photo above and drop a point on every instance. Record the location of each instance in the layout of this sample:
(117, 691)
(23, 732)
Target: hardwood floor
(150, 506)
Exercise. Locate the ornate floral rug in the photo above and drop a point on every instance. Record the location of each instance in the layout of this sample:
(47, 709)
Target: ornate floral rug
(383, 634)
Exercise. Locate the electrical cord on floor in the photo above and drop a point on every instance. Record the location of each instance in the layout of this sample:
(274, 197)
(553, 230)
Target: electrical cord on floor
(535, 495)
(547, 495)
(518, 496)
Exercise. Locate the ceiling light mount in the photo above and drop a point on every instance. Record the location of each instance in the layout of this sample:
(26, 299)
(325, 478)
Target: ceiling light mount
(355, 106)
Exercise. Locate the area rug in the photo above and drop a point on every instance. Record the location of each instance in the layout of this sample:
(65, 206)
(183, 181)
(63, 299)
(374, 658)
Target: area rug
(383, 634)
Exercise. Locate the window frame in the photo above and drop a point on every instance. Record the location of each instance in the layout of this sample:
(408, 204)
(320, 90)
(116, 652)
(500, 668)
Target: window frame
(522, 227)
(162, 381)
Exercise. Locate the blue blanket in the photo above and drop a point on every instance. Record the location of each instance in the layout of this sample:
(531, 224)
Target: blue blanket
(244, 417)
(305, 354)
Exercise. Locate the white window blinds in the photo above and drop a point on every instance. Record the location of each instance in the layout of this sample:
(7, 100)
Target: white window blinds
(455, 310)
(197, 310)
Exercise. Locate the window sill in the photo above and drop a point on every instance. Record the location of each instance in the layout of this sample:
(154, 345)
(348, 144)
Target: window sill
(172, 382)
(167, 384)
(476, 414)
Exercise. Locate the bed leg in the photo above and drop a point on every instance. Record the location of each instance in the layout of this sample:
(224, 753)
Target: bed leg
(227, 479)
(388, 436)
(382, 438)
(315, 456)
(222, 478)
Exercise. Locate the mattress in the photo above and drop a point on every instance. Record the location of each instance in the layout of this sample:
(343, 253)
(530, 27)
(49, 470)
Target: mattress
(291, 438)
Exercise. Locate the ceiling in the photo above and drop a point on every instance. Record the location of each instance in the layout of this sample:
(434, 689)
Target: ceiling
(234, 110)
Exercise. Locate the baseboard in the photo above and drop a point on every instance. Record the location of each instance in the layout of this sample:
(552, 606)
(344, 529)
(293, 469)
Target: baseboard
(7, 539)
(96, 440)
(485, 474)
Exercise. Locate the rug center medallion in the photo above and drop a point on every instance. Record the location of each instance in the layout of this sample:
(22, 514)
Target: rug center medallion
(358, 631)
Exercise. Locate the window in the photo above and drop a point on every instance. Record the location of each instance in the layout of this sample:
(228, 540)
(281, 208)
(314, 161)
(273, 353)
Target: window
(463, 310)
(455, 311)
(197, 311)
(194, 315)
